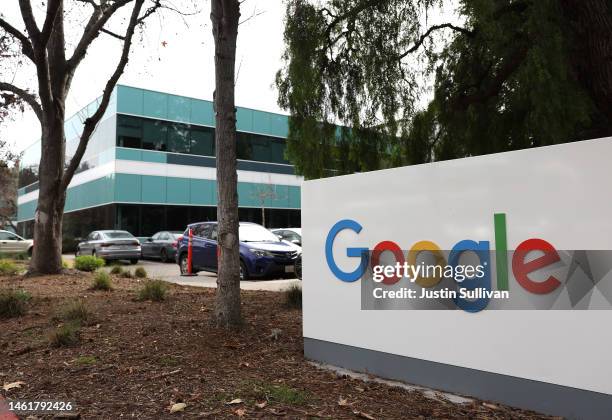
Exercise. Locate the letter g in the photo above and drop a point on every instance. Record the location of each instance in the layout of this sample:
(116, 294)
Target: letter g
(350, 252)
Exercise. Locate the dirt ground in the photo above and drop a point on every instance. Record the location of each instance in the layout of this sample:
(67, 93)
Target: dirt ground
(138, 359)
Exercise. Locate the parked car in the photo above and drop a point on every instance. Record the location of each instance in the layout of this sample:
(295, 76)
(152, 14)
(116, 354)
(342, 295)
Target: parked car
(261, 252)
(293, 235)
(162, 245)
(11, 243)
(110, 245)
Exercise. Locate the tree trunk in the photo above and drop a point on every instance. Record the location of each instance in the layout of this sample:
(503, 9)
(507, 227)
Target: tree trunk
(224, 17)
(47, 253)
(591, 25)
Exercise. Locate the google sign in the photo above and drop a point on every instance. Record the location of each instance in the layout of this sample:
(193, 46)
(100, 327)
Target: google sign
(481, 276)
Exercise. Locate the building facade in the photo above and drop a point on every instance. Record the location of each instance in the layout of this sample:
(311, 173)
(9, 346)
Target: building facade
(150, 166)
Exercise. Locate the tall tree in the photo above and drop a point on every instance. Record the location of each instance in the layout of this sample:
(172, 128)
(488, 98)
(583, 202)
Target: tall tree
(225, 15)
(9, 165)
(44, 46)
(516, 74)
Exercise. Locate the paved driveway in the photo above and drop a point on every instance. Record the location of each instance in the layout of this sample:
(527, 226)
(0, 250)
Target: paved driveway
(170, 272)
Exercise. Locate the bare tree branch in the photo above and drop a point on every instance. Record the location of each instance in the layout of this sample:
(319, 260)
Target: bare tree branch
(25, 95)
(92, 122)
(26, 46)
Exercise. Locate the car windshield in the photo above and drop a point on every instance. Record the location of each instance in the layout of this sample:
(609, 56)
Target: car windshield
(256, 233)
(118, 234)
(175, 235)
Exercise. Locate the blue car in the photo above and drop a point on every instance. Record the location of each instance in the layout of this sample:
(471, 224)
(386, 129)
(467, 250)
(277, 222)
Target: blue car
(262, 253)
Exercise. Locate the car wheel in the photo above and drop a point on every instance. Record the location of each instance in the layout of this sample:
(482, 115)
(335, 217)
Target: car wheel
(163, 256)
(30, 251)
(298, 268)
(134, 261)
(77, 253)
(183, 264)
(244, 273)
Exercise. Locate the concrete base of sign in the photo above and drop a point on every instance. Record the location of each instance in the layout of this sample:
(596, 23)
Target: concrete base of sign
(544, 397)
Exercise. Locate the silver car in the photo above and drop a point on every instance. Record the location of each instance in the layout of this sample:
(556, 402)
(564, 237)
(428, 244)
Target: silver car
(11, 243)
(110, 245)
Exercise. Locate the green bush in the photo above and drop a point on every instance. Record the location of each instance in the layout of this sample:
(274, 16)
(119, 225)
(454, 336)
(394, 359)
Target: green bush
(13, 303)
(102, 281)
(116, 270)
(293, 297)
(154, 290)
(88, 263)
(127, 274)
(8, 268)
(75, 312)
(140, 273)
(66, 335)
(65, 264)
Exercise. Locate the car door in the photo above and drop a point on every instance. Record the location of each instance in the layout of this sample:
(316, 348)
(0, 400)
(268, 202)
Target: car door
(198, 245)
(210, 250)
(7, 243)
(148, 246)
(85, 246)
(160, 243)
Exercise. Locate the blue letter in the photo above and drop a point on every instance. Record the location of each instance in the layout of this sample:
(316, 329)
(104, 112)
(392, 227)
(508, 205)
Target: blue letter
(482, 250)
(350, 252)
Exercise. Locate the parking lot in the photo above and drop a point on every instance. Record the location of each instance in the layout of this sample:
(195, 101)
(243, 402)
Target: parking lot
(170, 273)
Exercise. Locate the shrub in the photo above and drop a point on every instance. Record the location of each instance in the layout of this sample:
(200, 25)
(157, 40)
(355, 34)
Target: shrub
(65, 264)
(8, 268)
(154, 290)
(88, 263)
(293, 297)
(75, 312)
(86, 360)
(127, 274)
(13, 303)
(102, 281)
(66, 335)
(116, 270)
(140, 273)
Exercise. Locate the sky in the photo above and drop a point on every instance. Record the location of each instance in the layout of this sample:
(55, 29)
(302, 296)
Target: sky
(173, 54)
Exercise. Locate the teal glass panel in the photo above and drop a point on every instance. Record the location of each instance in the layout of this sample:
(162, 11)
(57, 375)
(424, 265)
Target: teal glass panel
(155, 104)
(177, 190)
(295, 197)
(202, 113)
(153, 189)
(128, 154)
(179, 108)
(153, 157)
(279, 125)
(201, 191)
(261, 122)
(127, 188)
(244, 119)
(130, 100)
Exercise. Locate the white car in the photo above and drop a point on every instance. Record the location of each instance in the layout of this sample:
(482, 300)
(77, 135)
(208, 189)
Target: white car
(11, 243)
(293, 235)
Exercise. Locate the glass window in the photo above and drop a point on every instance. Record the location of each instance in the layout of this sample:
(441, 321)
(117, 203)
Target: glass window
(178, 138)
(156, 236)
(177, 217)
(163, 236)
(244, 147)
(118, 234)
(129, 131)
(152, 219)
(277, 150)
(5, 236)
(154, 135)
(261, 149)
(202, 141)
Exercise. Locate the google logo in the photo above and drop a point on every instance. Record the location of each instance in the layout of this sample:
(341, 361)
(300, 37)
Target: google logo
(521, 268)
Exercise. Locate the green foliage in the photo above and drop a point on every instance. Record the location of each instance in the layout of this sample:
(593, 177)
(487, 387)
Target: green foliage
(126, 274)
(13, 303)
(88, 263)
(140, 273)
(154, 290)
(116, 270)
(281, 393)
(512, 76)
(102, 281)
(66, 335)
(75, 312)
(8, 268)
(65, 264)
(293, 297)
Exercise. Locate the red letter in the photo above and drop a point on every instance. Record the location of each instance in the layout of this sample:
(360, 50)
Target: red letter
(387, 246)
(521, 268)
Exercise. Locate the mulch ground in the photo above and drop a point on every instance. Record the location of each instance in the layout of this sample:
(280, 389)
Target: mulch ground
(137, 359)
